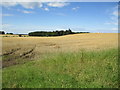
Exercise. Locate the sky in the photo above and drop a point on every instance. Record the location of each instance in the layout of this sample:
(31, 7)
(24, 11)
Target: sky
(25, 17)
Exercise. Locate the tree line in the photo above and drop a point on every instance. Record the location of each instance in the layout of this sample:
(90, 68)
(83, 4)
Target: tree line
(49, 33)
(2, 32)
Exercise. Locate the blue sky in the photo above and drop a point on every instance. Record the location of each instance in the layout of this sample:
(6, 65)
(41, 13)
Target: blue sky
(93, 17)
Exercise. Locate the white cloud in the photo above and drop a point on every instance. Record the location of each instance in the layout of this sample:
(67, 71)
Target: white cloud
(46, 9)
(4, 26)
(115, 13)
(8, 4)
(61, 0)
(112, 23)
(27, 5)
(27, 12)
(6, 15)
(34, 0)
(115, 29)
(61, 14)
(32, 5)
(75, 8)
(113, 16)
(107, 23)
(57, 4)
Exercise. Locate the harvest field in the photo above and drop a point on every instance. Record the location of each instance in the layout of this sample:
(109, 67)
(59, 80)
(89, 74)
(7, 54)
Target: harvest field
(71, 61)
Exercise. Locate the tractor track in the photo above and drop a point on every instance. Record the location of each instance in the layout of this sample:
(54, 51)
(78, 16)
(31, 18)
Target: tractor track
(13, 60)
(11, 52)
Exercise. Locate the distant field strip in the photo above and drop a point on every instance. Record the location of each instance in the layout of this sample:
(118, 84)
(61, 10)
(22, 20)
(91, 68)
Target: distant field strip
(69, 42)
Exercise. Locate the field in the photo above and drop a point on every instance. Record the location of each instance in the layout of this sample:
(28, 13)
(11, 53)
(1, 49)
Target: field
(72, 61)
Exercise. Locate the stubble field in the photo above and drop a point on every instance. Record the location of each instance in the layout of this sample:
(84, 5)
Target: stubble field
(72, 61)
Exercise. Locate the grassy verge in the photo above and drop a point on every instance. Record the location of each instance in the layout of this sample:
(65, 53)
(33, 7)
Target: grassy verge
(84, 69)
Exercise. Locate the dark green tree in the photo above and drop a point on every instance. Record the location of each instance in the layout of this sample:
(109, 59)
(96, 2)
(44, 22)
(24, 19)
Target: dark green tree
(2, 32)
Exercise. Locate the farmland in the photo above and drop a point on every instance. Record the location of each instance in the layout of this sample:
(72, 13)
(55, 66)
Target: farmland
(71, 61)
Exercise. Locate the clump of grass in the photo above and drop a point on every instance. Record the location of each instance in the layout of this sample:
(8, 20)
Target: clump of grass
(83, 69)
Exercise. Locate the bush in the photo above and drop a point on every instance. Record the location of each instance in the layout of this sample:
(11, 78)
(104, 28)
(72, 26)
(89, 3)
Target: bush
(20, 35)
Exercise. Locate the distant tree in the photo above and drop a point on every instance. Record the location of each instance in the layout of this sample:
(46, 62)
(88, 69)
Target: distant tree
(20, 35)
(10, 33)
(49, 33)
(70, 31)
(2, 32)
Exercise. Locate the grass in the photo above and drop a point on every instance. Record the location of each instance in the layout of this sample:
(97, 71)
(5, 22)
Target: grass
(82, 69)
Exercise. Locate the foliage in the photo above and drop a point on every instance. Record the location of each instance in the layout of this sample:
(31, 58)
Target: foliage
(54, 33)
(2, 32)
(10, 33)
(20, 35)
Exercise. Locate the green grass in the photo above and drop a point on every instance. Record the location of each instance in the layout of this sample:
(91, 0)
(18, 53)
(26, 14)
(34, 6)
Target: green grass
(83, 69)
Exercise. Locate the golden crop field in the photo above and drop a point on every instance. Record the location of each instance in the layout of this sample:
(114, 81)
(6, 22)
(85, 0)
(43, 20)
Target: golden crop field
(62, 43)
(36, 47)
